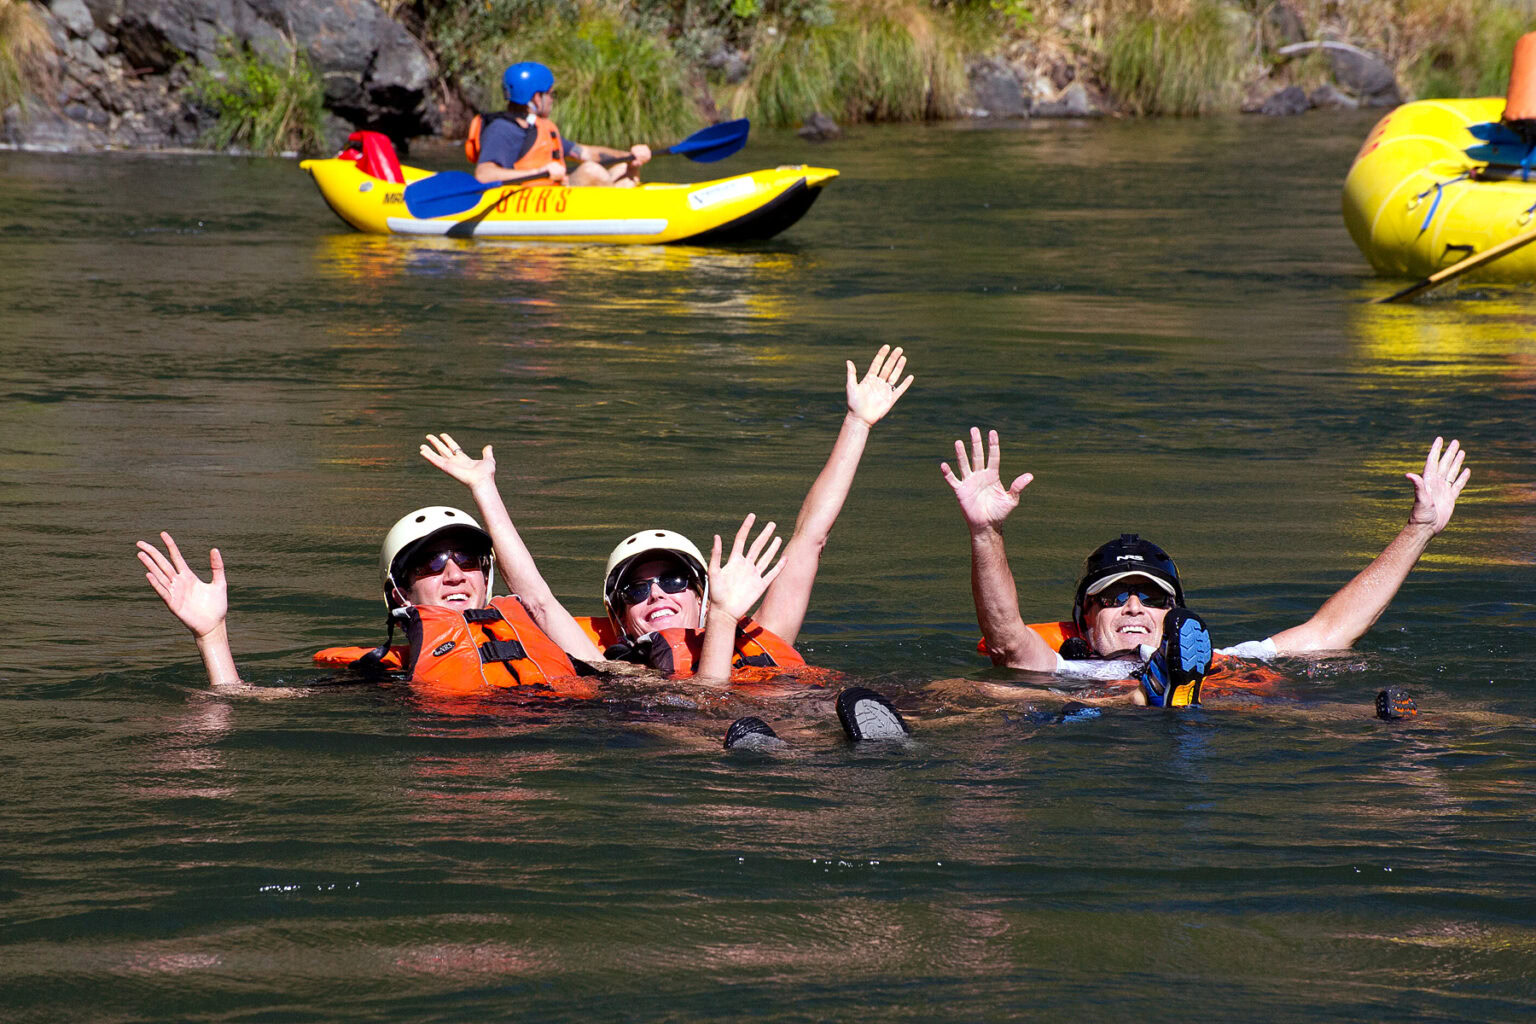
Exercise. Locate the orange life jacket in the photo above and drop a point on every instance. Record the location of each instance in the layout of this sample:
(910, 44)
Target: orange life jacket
(760, 653)
(452, 654)
(546, 147)
(1228, 674)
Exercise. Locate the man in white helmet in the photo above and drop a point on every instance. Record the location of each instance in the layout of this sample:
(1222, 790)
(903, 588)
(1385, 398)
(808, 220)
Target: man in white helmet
(437, 568)
(657, 583)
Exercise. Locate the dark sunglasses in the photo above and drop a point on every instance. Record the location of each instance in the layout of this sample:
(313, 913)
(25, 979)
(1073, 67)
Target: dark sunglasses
(1115, 597)
(438, 562)
(636, 591)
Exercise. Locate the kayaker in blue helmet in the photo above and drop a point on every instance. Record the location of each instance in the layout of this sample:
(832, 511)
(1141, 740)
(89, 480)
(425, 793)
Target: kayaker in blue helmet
(522, 144)
(1129, 601)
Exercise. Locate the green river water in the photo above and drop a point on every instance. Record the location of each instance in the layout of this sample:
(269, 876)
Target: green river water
(1167, 324)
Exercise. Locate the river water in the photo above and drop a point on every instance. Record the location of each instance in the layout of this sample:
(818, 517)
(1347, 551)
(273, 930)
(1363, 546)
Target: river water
(1165, 321)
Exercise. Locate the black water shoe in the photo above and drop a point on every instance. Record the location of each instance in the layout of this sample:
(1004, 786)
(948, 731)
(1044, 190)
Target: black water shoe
(868, 716)
(1172, 678)
(751, 733)
(1393, 704)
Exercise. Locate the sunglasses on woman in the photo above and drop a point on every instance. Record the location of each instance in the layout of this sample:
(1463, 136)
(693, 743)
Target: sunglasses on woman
(636, 591)
(438, 562)
(1116, 597)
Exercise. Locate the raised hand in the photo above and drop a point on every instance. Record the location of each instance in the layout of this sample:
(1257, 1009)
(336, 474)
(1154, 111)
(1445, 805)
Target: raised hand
(738, 584)
(444, 452)
(871, 398)
(1436, 490)
(979, 489)
(201, 607)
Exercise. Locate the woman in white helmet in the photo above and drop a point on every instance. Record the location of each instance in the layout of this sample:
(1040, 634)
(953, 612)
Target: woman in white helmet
(681, 592)
(437, 568)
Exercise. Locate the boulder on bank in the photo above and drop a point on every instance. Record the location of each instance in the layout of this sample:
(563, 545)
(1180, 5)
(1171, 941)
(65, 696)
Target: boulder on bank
(123, 68)
(1288, 102)
(819, 128)
(1073, 101)
(996, 90)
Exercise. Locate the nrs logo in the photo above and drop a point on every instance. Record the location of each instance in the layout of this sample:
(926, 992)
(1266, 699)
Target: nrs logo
(443, 649)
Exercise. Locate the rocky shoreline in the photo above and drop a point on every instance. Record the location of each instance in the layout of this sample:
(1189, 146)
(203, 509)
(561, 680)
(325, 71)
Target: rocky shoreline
(123, 67)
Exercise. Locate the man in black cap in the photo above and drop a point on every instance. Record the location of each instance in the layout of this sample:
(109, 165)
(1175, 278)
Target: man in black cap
(1128, 615)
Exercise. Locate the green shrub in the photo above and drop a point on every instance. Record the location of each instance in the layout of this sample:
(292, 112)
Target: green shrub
(893, 63)
(26, 52)
(263, 105)
(1185, 62)
(614, 82)
(1472, 55)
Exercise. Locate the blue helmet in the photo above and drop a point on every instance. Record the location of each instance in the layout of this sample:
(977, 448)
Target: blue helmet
(523, 80)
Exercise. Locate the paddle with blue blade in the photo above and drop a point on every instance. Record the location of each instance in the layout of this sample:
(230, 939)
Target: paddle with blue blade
(450, 192)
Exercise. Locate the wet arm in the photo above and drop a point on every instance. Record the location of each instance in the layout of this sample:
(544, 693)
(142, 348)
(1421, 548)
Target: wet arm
(869, 399)
(1010, 642)
(512, 555)
(1344, 617)
(201, 607)
(733, 589)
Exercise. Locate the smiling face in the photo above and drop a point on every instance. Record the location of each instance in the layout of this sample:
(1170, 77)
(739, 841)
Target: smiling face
(660, 610)
(1113, 629)
(454, 586)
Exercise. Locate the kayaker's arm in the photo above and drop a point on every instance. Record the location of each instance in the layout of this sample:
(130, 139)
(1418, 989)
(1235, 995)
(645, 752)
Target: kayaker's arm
(201, 607)
(512, 555)
(1346, 615)
(491, 173)
(638, 155)
(985, 504)
(869, 399)
(733, 589)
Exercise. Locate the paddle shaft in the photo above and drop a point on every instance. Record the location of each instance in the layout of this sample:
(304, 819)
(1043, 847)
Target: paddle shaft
(1467, 265)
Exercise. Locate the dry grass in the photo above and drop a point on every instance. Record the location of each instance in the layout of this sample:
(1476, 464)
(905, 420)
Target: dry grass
(878, 60)
(26, 52)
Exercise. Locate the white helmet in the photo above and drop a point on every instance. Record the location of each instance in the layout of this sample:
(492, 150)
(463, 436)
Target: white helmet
(415, 529)
(637, 546)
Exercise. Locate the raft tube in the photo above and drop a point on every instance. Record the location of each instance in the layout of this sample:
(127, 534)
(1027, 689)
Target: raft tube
(742, 208)
(1415, 200)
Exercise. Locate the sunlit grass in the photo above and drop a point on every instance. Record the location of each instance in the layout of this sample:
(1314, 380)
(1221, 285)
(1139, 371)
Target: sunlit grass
(874, 62)
(1184, 59)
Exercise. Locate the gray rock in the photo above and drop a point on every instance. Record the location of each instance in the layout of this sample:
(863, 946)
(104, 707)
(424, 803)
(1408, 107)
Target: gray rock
(335, 131)
(1285, 24)
(107, 13)
(101, 42)
(1360, 71)
(995, 89)
(1074, 101)
(1326, 97)
(733, 65)
(75, 16)
(819, 128)
(1287, 102)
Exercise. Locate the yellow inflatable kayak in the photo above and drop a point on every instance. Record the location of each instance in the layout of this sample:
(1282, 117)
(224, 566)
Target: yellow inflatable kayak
(1435, 182)
(745, 207)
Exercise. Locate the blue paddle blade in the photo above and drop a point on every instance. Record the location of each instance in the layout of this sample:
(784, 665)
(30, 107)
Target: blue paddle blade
(716, 142)
(1518, 155)
(445, 193)
(1493, 131)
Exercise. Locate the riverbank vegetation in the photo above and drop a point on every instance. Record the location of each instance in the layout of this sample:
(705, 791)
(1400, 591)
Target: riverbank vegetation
(655, 68)
(26, 52)
(261, 102)
(658, 69)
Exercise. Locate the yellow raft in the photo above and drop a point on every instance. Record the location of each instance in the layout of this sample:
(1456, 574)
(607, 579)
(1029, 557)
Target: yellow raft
(746, 207)
(1415, 201)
